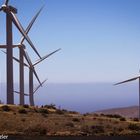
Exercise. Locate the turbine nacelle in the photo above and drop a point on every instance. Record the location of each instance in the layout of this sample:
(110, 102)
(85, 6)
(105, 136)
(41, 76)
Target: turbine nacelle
(11, 12)
(21, 46)
(6, 8)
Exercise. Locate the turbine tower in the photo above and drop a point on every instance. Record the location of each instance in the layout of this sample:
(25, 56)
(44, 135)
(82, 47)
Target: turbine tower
(31, 72)
(21, 58)
(9, 41)
(129, 80)
(31, 84)
(11, 18)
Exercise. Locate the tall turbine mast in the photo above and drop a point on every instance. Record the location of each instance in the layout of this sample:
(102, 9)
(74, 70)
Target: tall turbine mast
(9, 41)
(9, 48)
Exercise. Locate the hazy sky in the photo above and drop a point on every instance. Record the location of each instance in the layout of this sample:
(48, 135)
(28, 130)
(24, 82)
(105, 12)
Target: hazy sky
(100, 39)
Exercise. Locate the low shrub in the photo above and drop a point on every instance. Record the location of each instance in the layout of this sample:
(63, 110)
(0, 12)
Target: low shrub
(51, 106)
(23, 119)
(35, 110)
(76, 120)
(86, 129)
(26, 106)
(44, 115)
(122, 119)
(134, 127)
(113, 115)
(96, 115)
(97, 129)
(43, 111)
(5, 108)
(14, 113)
(22, 111)
(56, 123)
(60, 112)
(102, 114)
(73, 112)
(36, 130)
(113, 133)
(116, 122)
(136, 119)
(120, 129)
(70, 124)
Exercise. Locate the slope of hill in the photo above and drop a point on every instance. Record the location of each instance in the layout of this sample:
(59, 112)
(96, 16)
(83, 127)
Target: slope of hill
(50, 121)
(128, 112)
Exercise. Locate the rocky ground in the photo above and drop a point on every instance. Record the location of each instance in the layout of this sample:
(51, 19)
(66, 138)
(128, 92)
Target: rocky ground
(50, 121)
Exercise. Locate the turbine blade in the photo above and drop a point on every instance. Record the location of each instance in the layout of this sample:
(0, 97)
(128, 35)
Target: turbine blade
(27, 58)
(30, 64)
(31, 24)
(6, 2)
(20, 28)
(46, 56)
(39, 86)
(36, 76)
(132, 79)
(44, 81)
(16, 59)
(19, 93)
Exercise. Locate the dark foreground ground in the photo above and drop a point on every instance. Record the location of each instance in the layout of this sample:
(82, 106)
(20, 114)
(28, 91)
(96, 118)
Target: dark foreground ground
(60, 124)
(75, 138)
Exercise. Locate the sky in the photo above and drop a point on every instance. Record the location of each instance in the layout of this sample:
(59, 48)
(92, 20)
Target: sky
(100, 39)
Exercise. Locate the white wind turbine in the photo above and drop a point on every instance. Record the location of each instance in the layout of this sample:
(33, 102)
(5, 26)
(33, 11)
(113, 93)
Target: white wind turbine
(129, 80)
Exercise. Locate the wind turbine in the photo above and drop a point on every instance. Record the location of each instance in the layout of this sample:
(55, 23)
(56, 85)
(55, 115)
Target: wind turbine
(21, 58)
(129, 80)
(31, 96)
(11, 18)
(31, 70)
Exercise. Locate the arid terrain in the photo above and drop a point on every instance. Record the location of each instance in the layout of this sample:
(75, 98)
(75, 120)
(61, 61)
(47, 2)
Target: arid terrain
(127, 112)
(50, 121)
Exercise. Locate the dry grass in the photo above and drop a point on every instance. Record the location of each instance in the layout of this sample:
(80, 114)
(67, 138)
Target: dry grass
(46, 121)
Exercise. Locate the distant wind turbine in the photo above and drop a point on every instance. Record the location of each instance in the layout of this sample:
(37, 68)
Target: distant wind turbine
(129, 80)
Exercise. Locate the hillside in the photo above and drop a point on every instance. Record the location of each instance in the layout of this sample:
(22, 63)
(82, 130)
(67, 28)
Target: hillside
(128, 112)
(50, 121)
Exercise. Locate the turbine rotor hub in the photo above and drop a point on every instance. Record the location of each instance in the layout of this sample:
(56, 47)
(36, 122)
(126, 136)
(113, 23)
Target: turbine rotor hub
(3, 7)
(6, 8)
